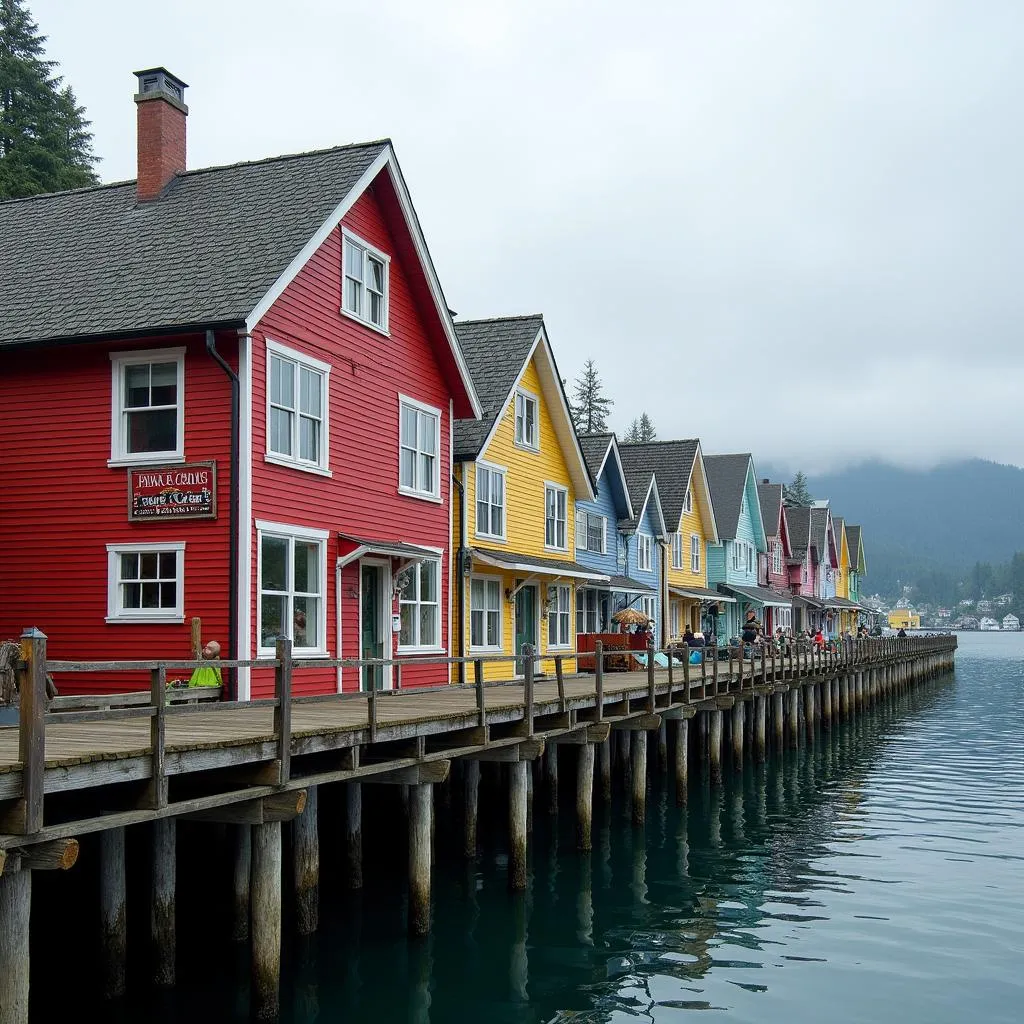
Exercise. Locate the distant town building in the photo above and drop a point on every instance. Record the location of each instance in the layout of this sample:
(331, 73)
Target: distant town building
(988, 624)
(985, 607)
(1003, 600)
(1011, 622)
(968, 622)
(903, 618)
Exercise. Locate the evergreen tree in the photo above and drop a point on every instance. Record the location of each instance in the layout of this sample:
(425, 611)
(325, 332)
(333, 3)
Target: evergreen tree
(797, 493)
(45, 142)
(632, 432)
(590, 406)
(645, 428)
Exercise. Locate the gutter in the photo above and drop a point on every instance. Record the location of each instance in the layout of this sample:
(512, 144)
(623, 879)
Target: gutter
(233, 624)
(460, 568)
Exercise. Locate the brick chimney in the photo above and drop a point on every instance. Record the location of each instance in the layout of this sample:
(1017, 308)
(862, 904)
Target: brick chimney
(161, 130)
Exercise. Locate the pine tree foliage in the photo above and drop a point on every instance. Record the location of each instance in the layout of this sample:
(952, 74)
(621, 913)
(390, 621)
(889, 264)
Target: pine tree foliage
(797, 493)
(45, 142)
(641, 430)
(590, 406)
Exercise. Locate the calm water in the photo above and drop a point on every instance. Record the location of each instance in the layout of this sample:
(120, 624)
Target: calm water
(877, 877)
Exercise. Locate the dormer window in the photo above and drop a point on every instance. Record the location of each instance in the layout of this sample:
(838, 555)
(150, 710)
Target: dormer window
(527, 431)
(365, 282)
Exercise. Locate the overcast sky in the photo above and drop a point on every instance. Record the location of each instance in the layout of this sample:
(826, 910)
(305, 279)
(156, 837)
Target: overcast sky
(791, 227)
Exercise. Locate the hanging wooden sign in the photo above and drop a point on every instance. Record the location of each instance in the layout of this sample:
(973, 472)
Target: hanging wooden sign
(173, 492)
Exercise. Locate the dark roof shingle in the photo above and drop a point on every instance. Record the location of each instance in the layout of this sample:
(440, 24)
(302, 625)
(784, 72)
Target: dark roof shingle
(595, 447)
(671, 462)
(769, 497)
(727, 477)
(798, 519)
(96, 262)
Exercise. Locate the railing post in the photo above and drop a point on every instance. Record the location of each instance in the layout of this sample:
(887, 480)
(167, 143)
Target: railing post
(283, 709)
(156, 792)
(560, 680)
(396, 670)
(478, 682)
(528, 687)
(26, 816)
(650, 675)
(599, 677)
(686, 672)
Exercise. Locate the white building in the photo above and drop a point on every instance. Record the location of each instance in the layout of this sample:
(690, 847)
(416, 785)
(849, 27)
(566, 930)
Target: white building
(988, 623)
(1011, 622)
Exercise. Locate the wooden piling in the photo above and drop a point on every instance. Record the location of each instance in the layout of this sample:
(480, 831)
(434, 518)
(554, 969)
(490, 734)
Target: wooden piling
(354, 833)
(240, 886)
(265, 912)
(471, 807)
(551, 776)
(760, 728)
(584, 796)
(809, 712)
(638, 758)
(663, 746)
(113, 921)
(517, 825)
(778, 718)
(826, 704)
(306, 862)
(794, 717)
(421, 813)
(682, 766)
(162, 903)
(715, 744)
(738, 715)
(604, 757)
(15, 911)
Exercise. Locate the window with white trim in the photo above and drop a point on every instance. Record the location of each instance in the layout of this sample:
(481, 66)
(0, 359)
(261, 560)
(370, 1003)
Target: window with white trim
(296, 408)
(591, 532)
(148, 406)
(490, 501)
(587, 610)
(750, 557)
(694, 552)
(527, 430)
(644, 551)
(419, 442)
(293, 567)
(485, 599)
(419, 606)
(677, 627)
(556, 501)
(777, 557)
(649, 606)
(688, 500)
(559, 616)
(677, 551)
(146, 582)
(365, 282)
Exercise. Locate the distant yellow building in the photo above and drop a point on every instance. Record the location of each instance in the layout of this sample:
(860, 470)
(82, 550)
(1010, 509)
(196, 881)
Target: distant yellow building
(904, 619)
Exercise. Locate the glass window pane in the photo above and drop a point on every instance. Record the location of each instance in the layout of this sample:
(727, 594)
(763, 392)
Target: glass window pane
(406, 636)
(353, 261)
(164, 384)
(136, 385)
(426, 480)
(306, 622)
(286, 383)
(274, 572)
(428, 581)
(281, 431)
(497, 489)
(476, 627)
(272, 613)
(309, 439)
(150, 595)
(428, 625)
(168, 593)
(131, 595)
(130, 566)
(277, 370)
(307, 568)
(310, 385)
(168, 565)
(493, 639)
(407, 468)
(428, 429)
(476, 594)
(494, 595)
(482, 525)
(148, 563)
(353, 296)
(375, 273)
(409, 426)
(376, 311)
(153, 431)
(497, 526)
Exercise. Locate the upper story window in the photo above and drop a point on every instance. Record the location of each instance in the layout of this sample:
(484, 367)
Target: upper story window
(148, 406)
(419, 441)
(591, 532)
(677, 551)
(527, 430)
(145, 582)
(750, 557)
(776, 557)
(365, 276)
(490, 501)
(296, 408)
(292, 574)
(694, 553)
(644, 550)
(688, 500)
(555, 516)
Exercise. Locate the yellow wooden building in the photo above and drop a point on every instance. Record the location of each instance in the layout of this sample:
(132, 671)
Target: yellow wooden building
(901, 618)
(847, 615)
(678, 467)
(520, 470)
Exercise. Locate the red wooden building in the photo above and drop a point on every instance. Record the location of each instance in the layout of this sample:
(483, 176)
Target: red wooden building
(229, 395)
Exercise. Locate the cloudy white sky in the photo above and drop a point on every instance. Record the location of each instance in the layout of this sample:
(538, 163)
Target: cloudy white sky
(793, 227)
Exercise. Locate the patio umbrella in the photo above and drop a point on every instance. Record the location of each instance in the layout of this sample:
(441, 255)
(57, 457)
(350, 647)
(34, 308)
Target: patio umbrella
(631, 617)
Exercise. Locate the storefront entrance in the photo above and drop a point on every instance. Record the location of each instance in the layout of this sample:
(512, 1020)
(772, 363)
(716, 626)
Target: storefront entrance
(526, 622)
(374, 620)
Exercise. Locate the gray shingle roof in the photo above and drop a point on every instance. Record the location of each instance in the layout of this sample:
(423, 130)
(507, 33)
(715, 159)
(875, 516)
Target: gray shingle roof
(769, 497)
(798, 519)
(595, 447)
(672, 463)
(819, 532)
(853, 538)
(727, 476)
(96, 262)
(638, 473)
(495, 351)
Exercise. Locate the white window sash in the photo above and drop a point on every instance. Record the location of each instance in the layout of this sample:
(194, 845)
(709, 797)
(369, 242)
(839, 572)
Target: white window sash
(411, 597)
(416, 445)
(297, 362)
(527, 414)
(362, 282)
(556, 511)
(486, 496)
(292, 535)
(489, 589)
(116, 611)
(559, 617)
(694, 553)
(119, 362)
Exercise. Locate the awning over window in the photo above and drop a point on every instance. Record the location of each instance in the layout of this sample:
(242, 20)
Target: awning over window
(701, 594)
(626, 585)
(759, 595)
(352, 548)
(536, 565)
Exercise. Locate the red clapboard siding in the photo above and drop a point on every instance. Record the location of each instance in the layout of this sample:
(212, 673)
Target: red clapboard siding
(60, 505)
(369, 371)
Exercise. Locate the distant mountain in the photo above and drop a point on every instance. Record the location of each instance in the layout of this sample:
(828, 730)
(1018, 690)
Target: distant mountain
(915, 521)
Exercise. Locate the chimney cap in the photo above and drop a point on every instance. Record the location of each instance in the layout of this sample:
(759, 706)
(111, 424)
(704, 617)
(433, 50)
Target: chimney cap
(159, 82)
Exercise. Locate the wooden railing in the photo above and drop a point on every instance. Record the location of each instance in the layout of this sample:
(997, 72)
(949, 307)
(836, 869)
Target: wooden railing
(684, 682)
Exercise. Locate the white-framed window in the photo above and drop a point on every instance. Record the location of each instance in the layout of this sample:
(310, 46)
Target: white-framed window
(485, 603)
(556, 501)
(677, 625)
(146, 582)
(688, 500)
(527, 427)
(559, 616)
(420, 606)
(591, 532)
(292, 576)
(147, 406)
(649, 606)
(750, 557)
(419, 446)
(490, 501)
(644, 550)
(777, 557)
(365, 272)
(587, 610)
(803, 573)
(677, 551)
(297, 389)
(694, 552)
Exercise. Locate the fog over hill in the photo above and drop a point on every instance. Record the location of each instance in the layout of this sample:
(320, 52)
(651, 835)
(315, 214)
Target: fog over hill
(948, 517)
